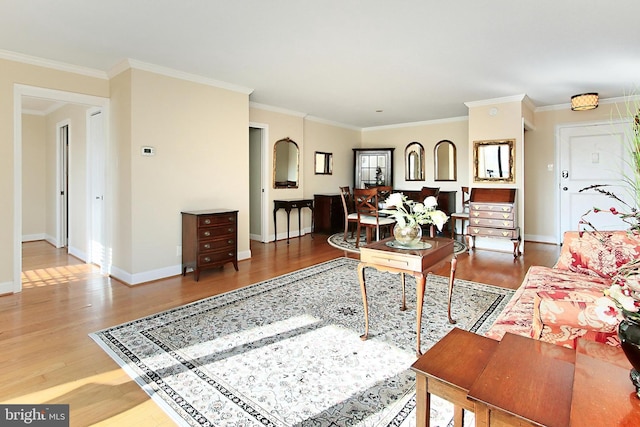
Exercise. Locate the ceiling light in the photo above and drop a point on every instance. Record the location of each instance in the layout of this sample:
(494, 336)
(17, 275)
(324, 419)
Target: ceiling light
(584, 101)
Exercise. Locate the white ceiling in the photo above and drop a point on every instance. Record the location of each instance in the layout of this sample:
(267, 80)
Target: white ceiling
(341, 60)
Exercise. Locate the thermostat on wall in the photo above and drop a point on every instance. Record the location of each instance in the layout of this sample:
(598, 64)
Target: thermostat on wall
(148, 151)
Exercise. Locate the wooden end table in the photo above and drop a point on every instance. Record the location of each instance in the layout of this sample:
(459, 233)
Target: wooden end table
(448, 369)
(416, 262)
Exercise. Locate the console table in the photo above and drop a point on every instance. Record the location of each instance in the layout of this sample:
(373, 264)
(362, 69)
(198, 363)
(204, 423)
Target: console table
(288, 205)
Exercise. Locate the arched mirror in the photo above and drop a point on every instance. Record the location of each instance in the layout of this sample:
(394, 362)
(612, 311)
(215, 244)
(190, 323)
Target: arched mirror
(445, 158)
(414, 162)
(285, 164)
(493, 161)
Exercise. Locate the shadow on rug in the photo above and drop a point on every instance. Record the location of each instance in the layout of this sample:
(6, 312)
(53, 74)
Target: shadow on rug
(287, 351)
(337, 241)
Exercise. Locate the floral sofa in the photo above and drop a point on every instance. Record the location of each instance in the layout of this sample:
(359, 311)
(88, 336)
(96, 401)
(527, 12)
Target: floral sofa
(559, 304)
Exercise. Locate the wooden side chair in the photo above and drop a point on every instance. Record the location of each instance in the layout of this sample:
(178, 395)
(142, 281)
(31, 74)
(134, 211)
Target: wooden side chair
(349, 207)
(367, 208)
(384, 192)
(461, 216)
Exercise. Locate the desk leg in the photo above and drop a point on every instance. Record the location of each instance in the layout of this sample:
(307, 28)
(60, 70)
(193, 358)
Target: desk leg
(403, 307)
(452, 277)
(363, 289)
(299, 226)
(313, 225)
(275, 227)
(420, 285)
(288, 222)
(423, 401)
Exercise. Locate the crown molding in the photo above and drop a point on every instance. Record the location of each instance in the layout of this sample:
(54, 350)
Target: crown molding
(503, 100)
(170, 72)
(276, 109)
(414, 124)
(56, 65)
(332, 123)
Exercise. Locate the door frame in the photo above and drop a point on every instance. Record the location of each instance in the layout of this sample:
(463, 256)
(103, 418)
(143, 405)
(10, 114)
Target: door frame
(20, 90)
(62, 185)
(264, 177)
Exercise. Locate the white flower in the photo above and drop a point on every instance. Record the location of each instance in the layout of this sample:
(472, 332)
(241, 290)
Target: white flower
(394, 199)
(439, 218)
(607, 311)
(431, 202)
(619, 295)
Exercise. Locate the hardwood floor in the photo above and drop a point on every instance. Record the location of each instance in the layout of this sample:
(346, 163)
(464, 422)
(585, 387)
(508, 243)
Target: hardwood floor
(47, 356)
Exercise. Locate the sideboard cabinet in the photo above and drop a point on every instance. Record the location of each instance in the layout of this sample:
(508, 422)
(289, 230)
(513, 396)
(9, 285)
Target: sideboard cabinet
(328, 213)
(209, 239)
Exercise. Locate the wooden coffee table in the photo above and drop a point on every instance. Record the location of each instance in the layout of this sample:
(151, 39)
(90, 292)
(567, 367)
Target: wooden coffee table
(416, 262)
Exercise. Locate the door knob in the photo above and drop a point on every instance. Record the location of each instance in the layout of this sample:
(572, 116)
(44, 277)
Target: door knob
(564, 188)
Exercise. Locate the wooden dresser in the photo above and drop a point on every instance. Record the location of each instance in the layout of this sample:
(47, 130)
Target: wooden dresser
(209, 239)
(493, 213)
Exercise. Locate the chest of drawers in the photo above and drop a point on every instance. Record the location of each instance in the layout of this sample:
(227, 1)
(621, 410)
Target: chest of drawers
(492, 213)
(209, 239)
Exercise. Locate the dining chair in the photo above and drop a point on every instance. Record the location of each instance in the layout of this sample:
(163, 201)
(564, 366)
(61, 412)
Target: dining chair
(429, 191)
(464, 215)
(367, 208)
(349, 208)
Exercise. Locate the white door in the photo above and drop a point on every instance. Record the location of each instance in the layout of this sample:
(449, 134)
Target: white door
(97, 188)
(62, 233)
(590, 155)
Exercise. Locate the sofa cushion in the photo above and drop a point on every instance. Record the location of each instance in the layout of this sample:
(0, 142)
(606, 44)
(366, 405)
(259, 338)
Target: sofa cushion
(560, 317)
(588, 254)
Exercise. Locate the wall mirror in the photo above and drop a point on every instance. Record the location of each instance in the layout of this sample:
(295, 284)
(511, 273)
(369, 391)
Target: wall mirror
(285, 164)
(414, 162)
(445, 161)
(323, 163)
(494, 161)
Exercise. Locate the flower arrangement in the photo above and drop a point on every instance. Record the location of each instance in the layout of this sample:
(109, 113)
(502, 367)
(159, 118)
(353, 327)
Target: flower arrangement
(408, 213)
(622, 298)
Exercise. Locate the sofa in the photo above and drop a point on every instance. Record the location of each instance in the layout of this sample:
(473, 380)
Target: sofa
(559, 304)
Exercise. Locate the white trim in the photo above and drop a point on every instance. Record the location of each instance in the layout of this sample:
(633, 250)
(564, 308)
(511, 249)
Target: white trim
(48, 63)
(332, 123)
(414, 124)
(169, 72)
(61, 215)
(33, 237)
(276, 109)
(540, 239)
(265, 178)
(503, 100)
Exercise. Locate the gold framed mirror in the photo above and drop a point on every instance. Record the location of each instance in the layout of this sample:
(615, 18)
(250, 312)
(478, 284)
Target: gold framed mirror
(285, 164)
(323, 163)
(414, 162)
(494, 161)
(445, 161)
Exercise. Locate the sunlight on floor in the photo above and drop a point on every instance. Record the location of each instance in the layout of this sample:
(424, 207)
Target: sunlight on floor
(56, 275)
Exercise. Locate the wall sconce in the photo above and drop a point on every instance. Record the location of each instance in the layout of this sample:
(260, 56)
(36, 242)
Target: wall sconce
(584, 101)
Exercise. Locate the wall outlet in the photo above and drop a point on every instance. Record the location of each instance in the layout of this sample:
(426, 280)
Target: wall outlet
(178, 250)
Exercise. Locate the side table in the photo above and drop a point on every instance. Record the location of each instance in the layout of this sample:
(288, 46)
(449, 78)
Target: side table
(448, 369)
(287, 205)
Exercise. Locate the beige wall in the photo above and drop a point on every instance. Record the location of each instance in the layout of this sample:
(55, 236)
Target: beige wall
(428, 134)
(33, 177)
(12, 73)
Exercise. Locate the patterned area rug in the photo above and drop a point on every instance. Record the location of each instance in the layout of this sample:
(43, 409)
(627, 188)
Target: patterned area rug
(287, 351)
(337, 241)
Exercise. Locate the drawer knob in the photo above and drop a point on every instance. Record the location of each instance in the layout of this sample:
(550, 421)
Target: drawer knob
(230, 242)
(230, 219)
(207, 221)
(230, 254)
(505, 234)
(230, 230)
(207, 246)
(207, 259)
(207, 233)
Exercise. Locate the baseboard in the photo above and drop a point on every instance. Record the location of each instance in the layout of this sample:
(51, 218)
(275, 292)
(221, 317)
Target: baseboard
(540, 239)
(6, 288)
(33, 237)
(82, 256)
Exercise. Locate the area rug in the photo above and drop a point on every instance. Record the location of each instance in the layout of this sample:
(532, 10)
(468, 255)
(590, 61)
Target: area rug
(287, 351)
(337, 241)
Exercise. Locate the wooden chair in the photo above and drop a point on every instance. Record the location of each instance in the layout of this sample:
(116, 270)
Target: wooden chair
(367, 208)
(349, 208)
(384, 192)
(429, 191)
(464, 215)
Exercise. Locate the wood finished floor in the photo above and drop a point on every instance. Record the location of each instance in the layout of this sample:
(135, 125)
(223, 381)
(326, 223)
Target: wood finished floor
(47, 356)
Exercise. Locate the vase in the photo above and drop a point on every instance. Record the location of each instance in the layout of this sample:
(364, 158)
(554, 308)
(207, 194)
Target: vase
(407, 235)
(629, 334)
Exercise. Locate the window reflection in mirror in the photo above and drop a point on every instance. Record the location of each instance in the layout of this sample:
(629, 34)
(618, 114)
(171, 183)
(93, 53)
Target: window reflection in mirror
(446, 163)
(323, 163)
(414, 162)
(285, 164)
(494, 161)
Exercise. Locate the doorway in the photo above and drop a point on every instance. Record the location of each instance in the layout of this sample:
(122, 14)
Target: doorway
(58, 97)
(592, 154)
(258, 179)
(62, 190)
